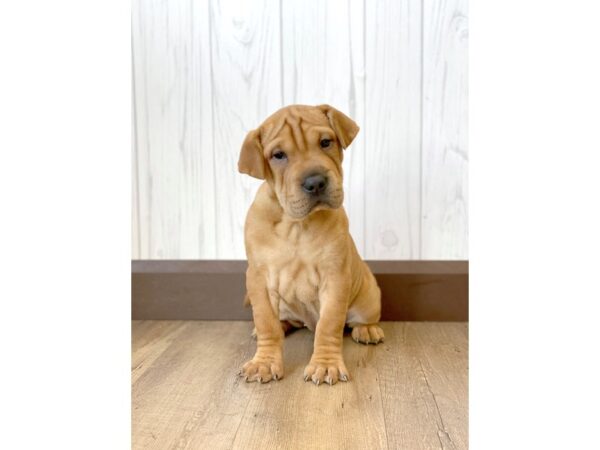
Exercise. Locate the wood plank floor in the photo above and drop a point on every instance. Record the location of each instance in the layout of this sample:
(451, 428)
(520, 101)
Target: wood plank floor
(408, 393)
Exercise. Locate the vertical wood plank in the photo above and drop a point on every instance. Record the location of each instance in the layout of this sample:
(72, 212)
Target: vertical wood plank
(323, 62)
(355, 160)
(135, 208)
(393, 118)
(445, 158)
(141, 139)
(174, 129)
(245, 45)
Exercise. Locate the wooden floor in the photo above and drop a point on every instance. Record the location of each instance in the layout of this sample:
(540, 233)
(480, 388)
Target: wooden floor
(408, 393)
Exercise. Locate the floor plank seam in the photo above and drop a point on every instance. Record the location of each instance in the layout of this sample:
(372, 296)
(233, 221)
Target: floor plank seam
(387, 440)
(247, 403)
(437, 407)
(242, 419)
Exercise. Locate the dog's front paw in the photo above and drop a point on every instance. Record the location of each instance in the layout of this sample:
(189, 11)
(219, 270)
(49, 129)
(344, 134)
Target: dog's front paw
(326, 371)
(367, 334)
(262, 369)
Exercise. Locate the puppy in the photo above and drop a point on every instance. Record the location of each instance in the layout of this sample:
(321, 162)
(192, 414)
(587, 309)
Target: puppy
(303, 266)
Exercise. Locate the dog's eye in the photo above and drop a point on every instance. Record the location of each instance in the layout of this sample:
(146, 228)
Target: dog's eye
(325, 143)
(279, 155)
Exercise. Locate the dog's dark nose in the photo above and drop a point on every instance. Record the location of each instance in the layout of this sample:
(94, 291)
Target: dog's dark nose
(314, 184)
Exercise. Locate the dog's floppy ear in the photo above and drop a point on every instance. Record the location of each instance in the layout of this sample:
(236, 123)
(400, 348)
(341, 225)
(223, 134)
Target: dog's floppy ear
(252, 161)
(345, 128)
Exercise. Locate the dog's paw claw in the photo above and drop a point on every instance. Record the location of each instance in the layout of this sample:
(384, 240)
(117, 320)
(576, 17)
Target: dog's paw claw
(327, 371)
(262, 370)
(367, 334)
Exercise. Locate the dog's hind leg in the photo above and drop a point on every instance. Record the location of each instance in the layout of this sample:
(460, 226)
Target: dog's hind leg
(365, 311)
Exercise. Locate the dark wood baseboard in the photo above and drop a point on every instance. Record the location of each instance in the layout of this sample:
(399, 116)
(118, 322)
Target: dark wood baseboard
(214, 290)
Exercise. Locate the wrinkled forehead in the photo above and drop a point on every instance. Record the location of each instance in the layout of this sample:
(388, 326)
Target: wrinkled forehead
(295, 126)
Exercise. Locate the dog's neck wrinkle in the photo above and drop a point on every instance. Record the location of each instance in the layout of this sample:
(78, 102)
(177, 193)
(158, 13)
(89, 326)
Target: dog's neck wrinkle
(292, 228)
(290, 231)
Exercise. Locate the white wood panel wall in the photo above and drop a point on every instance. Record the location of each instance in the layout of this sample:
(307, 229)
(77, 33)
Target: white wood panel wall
(208, 71)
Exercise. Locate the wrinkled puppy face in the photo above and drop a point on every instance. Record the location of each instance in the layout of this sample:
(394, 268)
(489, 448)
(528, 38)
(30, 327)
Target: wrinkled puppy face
(299, 151)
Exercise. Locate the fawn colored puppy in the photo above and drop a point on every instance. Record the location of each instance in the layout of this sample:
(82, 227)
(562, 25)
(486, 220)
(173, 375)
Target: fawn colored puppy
(303, 266)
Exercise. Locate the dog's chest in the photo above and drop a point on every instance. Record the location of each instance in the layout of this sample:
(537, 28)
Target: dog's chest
(294, 286)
